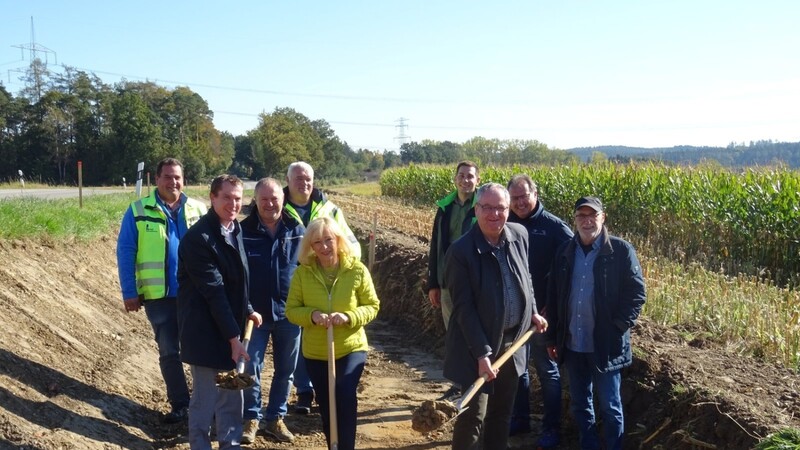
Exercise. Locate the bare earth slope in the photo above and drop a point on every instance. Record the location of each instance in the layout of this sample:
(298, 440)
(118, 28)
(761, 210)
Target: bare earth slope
(77, 372)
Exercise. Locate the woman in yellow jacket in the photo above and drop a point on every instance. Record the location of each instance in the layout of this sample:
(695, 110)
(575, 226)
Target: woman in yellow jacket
(332, 288)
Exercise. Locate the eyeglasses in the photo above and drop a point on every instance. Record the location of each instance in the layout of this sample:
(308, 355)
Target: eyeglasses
(516, 198)
(586, 217)
(491, 209)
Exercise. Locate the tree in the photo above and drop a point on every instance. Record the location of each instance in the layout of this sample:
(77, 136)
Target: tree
(136, 137)
(286, 136)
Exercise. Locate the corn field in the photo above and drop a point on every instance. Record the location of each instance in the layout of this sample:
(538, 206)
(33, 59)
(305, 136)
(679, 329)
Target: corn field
(750, 312)
(734, 222)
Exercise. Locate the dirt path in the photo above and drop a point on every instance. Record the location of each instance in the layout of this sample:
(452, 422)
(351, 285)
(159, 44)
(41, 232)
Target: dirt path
(77, 372)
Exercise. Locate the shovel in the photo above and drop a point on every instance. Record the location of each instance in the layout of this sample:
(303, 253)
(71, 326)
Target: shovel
(334, 426)
(236, 379)
(475, 387)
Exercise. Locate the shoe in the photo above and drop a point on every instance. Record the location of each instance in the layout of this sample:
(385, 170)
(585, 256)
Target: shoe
(548, 439)
(451, 393)
(249, 431)
(304, 400)
(277, 429)
(519, 426)
(176, 415)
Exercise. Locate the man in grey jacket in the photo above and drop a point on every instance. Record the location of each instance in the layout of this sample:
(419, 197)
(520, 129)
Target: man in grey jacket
(486, 271)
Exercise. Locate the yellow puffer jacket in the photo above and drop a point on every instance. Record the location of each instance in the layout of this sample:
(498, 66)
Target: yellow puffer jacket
(352, 294)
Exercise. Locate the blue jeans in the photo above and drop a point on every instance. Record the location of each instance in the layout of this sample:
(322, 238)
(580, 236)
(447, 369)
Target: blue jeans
(583, 376)
(285, 347)
(550, 381)
(163, 317)
(522, 401)
(302, 382)
(211, 403)
(348, 373)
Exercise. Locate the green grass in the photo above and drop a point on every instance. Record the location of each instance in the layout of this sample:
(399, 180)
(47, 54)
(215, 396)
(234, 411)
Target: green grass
(62, 218)
(28, 185)
(785, 439)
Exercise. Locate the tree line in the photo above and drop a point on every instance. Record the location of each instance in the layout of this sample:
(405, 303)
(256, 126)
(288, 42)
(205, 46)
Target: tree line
(61, 117)
(735, 154)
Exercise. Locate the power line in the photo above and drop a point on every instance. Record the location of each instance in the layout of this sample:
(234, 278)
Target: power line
(269, 91)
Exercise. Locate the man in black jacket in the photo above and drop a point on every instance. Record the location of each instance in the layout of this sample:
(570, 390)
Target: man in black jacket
(213, 307)
(486, 271)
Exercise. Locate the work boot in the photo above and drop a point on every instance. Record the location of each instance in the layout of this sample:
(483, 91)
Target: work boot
(249, 431)
(277, 429)
(304, 400)
(176, 415)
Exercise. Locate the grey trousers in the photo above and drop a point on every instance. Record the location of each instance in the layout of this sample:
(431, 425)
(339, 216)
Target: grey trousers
(208, 403)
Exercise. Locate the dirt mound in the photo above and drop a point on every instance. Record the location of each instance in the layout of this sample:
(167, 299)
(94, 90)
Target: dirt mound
(76, 371)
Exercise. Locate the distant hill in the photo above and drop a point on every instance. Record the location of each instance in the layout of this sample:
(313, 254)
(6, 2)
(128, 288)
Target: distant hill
(758, 153)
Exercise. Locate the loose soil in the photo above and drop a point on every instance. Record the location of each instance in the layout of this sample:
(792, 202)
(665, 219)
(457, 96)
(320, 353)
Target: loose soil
(78, 372)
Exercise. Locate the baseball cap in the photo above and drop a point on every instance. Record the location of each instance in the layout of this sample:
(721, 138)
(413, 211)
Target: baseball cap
(591, 202)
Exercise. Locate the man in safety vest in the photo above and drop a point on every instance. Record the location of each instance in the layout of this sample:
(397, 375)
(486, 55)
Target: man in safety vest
(304, 202)
(147, 260)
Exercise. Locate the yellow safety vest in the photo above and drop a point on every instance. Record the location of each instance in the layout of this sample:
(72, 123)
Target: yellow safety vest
(153, 242)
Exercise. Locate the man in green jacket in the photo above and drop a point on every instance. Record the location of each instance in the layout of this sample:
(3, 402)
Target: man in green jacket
(455, 215)
(305, 203)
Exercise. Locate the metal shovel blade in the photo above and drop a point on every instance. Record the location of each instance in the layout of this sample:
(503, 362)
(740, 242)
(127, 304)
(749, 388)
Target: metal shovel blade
(236, 379)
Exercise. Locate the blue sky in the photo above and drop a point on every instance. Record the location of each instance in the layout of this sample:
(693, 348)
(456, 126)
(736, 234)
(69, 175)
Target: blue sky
(567, 73)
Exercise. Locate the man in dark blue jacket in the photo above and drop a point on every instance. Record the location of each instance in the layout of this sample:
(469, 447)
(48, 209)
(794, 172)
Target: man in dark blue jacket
(595, 294)
(545, 233)
(486, 271)
(272, 241)
(213, 307)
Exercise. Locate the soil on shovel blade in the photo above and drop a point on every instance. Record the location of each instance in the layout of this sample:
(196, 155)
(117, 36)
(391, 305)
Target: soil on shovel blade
(78, 372)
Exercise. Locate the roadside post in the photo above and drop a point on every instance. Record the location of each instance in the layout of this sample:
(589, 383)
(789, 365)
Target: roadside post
(80, 184)
(124, 184)
(371, 258)
(21, 178)
(139, 171)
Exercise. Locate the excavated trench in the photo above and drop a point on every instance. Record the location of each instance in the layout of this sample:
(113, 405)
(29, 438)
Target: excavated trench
(663, 407)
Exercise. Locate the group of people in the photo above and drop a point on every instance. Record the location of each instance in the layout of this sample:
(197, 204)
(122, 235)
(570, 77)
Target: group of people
(499, 265)
(292, 267)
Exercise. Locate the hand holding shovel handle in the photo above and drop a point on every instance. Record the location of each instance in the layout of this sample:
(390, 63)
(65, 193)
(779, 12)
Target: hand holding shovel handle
(237, 379)
(476, 386)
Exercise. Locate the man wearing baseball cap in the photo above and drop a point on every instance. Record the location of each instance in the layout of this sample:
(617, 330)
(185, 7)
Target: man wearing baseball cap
(595, 293)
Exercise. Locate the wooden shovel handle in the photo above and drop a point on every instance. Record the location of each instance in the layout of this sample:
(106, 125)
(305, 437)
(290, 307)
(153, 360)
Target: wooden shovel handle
(476, 386)
(334, 425)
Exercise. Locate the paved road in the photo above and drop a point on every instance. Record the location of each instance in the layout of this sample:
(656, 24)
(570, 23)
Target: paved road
(53, 193)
